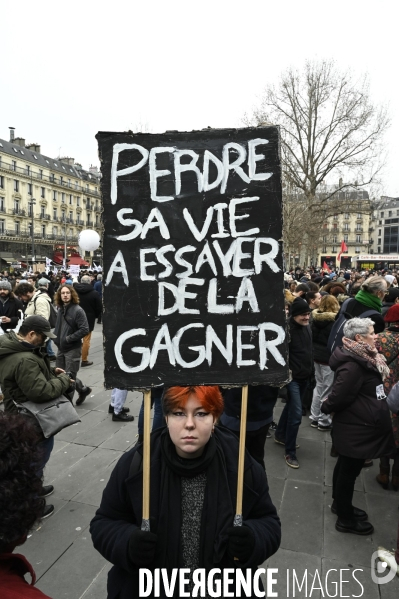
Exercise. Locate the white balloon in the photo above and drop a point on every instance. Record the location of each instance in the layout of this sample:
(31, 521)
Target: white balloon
(89, 240)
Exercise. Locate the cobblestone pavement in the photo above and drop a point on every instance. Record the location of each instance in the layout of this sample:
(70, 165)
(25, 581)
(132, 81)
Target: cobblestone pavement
(67, 566)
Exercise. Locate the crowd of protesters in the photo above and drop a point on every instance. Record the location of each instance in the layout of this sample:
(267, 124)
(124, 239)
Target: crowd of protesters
(343, 329)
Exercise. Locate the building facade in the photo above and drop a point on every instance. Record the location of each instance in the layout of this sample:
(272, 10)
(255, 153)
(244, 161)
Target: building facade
(354, 227)
(386, 224)
(43, 202)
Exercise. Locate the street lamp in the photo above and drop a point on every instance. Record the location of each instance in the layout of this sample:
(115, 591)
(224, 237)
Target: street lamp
(31, 203)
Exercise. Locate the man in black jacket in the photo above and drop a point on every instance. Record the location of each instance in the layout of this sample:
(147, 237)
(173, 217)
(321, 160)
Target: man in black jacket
(302, 369)
(90, 301)
(11, 308)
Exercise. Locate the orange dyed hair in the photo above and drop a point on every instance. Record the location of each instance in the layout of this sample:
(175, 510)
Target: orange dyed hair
(209, 397)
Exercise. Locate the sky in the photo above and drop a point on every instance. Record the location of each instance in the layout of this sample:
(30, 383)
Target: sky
(71, 69)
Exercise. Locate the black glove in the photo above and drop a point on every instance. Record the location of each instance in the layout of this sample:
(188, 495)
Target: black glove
(241, 542)
(142, 545)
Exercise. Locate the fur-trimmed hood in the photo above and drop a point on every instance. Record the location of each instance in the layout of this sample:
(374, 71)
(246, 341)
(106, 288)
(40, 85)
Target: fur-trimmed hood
(323, 316)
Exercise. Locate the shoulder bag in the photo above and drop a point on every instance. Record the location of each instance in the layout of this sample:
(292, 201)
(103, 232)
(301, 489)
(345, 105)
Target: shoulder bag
(52, 416)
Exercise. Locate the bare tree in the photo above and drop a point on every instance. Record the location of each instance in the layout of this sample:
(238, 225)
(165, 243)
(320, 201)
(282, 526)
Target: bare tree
(330, 130)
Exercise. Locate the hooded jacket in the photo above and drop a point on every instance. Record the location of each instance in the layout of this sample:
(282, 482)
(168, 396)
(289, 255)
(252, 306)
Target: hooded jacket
(90, 301)
(25, 373)
(39, 305)
(362, 423)
(321, 323)
(120, 512)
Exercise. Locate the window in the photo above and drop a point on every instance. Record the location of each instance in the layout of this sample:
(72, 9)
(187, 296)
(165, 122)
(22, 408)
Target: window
(335, 226)
(380, 222)
(63, 215)
(55, 230)
(2, 225)
(379, 231)
(1, 182)
(324, 250)
(357, 250)
(55, 213)
(324, 239)
(40, 174)
(358, 227)
(1, 204)
(390, 213)
(359, 215)
(61, 180)
(334, 249)
(42, 211)
(13, 165)
(378, 250)
(335, 216)
(28, 170)
(71, 216)
(358, 239)
(30, 209)
(16, 205)
(43, 230)
(63, 197)
(346, 227)
(70, 198)
(30, 187)
(381, 214)
(69, 183)
(51, 178)
(379, 241)
(346, 238)
(42, 192)
(55, 196)
(71, 232)
(78, 201)
(76, 184)
(397, 213)
(346, 216)
(17, 228)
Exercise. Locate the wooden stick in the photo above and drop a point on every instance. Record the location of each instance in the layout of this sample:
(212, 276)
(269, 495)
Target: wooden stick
(145, 524)
(241, 456)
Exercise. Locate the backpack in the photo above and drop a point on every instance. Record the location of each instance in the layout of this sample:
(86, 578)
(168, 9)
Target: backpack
(53, 314)
(337, 332)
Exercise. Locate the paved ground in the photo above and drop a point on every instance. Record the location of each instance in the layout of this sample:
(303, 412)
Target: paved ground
(68, 567)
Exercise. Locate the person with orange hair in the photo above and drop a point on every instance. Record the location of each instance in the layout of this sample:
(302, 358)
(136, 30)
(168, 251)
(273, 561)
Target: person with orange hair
(193, 470)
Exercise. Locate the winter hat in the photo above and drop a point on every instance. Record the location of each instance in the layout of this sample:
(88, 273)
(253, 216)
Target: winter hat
(5, 284)
(393, 314)
(347, 276)
(389, 278)
(299, 306)
(44, 282)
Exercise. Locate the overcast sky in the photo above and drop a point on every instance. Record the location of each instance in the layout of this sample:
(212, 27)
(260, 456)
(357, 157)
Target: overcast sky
(71, 69)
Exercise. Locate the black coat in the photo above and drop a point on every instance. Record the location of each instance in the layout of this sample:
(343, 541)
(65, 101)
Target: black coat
(10, 309)
(300, 351)
(321, 323)
(90, 301)
(362, 424)
(120, 512)
(356, 308)
(261, 402)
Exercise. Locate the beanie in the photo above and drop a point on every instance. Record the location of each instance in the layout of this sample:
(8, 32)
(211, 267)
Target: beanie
(299, 306)
(393, 314)
(347, 276)
(44, 282)
(389, 278)
(5, 284)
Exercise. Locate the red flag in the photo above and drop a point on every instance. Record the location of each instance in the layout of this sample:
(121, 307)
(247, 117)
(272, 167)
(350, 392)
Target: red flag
(325, 267)
(343, 249)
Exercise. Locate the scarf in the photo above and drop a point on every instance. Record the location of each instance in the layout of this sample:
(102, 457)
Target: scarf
(371, 301)
(217, 511)
(369, 353)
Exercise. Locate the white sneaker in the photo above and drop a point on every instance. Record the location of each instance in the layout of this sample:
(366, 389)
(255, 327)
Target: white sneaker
(389, 558)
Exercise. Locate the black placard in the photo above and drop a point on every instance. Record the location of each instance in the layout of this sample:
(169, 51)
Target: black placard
(193, 279)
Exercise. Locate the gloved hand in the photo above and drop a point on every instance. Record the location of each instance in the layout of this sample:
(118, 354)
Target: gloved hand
(241, 542)
(142, 545)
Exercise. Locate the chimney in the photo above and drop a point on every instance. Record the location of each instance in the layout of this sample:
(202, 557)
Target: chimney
(19, 141)
(34, 148)
(12, 129)
(93, 170)
(68, 160)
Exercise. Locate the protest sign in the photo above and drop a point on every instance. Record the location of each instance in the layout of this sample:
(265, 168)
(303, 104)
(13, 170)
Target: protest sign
(193, 283)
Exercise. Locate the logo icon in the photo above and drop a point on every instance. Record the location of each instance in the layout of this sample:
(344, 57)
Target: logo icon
(383, 571)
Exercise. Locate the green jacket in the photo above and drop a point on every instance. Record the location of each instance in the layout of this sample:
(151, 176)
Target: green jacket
(25, 374)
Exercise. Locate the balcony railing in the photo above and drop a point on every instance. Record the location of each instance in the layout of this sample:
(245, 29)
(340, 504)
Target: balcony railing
(50, 178)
